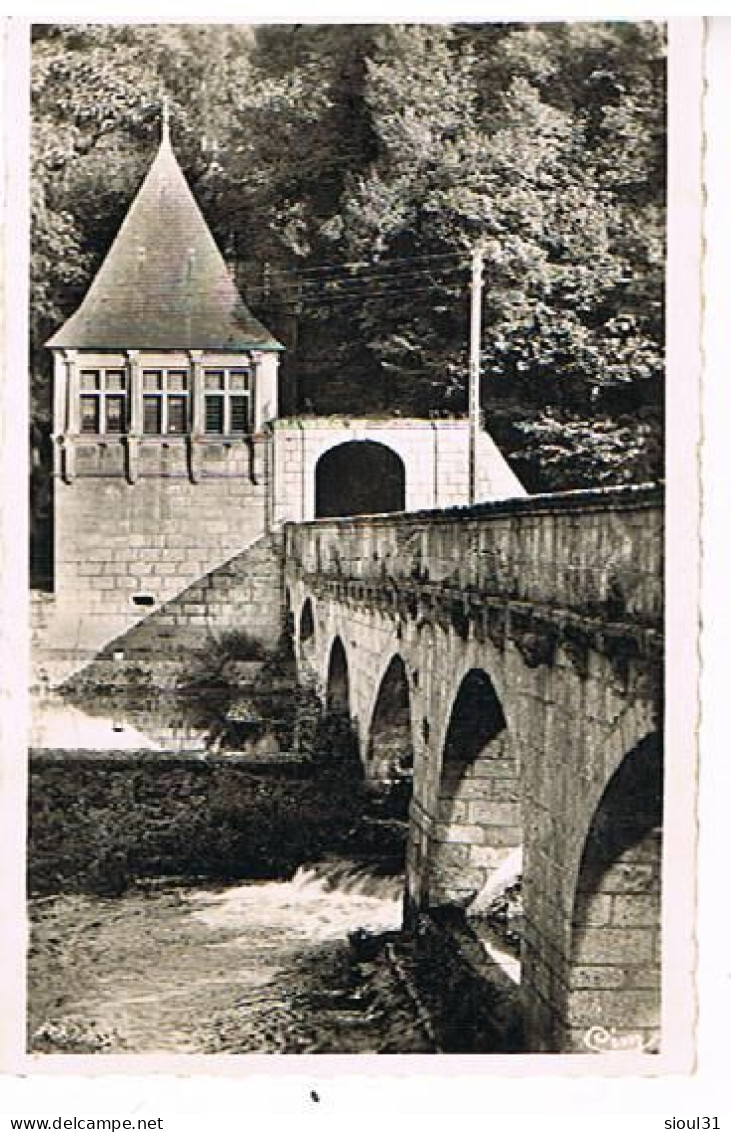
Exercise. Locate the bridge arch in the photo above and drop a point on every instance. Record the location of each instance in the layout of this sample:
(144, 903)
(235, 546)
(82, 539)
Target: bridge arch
(306, 622)
(478, 819)
(305, 642)
(390, 748)
(289, 625)
(337, 685)
(336, 737)
(614, 959)
(359, 477)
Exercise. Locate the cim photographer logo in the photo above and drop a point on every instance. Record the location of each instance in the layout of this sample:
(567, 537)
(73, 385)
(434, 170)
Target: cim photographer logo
(599, 1039)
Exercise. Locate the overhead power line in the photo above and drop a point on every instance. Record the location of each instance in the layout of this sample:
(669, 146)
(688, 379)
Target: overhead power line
(312, 299)
(394, 287)
(356, 285)
(324, 283)
(369, 286)
(366, 265)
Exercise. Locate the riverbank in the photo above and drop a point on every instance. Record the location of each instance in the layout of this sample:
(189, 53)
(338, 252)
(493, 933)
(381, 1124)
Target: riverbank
(101, 820)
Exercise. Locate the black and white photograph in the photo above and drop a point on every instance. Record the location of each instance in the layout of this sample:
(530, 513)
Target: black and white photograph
(349, 688)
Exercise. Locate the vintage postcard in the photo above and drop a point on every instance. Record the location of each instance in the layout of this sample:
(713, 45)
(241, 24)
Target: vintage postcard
(364, 371)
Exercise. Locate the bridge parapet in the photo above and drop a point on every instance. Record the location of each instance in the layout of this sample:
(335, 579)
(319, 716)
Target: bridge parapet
(594, 553)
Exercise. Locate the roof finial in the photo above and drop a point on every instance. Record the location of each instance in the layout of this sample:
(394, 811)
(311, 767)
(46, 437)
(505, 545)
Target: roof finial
(165, 121)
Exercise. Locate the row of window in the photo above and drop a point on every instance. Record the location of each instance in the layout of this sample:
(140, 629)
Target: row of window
(227, 400)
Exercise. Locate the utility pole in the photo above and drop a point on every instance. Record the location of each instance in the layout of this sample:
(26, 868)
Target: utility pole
(165, 120)
(474, 374)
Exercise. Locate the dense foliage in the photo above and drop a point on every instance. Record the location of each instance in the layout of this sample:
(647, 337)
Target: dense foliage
(347, 173)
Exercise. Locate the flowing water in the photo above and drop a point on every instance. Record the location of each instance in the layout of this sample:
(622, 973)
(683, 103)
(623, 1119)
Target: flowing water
(313, 963)
(256, 967)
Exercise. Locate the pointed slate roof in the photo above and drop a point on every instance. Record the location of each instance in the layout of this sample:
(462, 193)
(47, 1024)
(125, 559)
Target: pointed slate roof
(164, 284)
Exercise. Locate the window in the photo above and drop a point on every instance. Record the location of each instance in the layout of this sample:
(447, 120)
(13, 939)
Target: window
(103, 401)
(227, 401)
(165, 402)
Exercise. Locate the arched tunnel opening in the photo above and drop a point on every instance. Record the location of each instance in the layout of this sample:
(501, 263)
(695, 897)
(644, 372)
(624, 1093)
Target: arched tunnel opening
(614, 964)
(360, 477)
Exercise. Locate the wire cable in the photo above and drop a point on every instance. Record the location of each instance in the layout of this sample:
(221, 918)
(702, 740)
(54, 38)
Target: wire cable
(450, 278)
(462, 257)
(358, 297)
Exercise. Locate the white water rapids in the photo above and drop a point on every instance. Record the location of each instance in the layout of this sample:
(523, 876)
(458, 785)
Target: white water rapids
(320, 903)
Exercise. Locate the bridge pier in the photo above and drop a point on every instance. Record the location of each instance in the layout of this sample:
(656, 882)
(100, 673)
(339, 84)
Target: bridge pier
(473, 807)
(592, 793)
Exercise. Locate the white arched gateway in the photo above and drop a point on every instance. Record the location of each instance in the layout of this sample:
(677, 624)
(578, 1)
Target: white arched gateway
(328, 467)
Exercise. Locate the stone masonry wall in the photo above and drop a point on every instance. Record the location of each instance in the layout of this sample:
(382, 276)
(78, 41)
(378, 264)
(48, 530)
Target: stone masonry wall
(612, 979)
(125, 550)
(242, 596)
(582, 730)
(478, 807)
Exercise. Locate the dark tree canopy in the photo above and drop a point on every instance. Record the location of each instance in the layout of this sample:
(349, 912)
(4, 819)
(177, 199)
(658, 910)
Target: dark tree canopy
(347, 172)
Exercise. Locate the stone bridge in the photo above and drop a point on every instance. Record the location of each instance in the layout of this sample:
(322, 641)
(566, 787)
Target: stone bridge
(509, 656)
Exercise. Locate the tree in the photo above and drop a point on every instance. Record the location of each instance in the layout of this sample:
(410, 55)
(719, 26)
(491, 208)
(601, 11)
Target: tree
(347, 173)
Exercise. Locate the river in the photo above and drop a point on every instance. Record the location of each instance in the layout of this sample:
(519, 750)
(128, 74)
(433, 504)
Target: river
(314, 962)
(175, 967)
